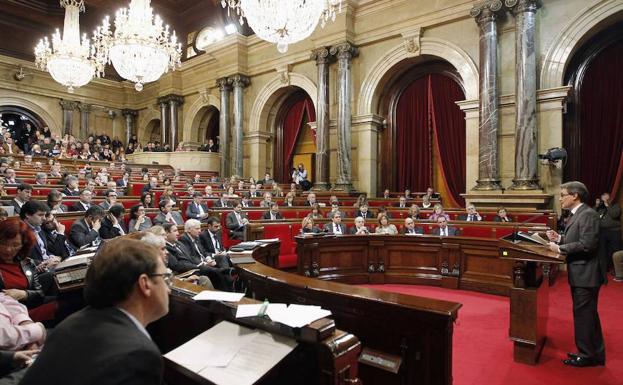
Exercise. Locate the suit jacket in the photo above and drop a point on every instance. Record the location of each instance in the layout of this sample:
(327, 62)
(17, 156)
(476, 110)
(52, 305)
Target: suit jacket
(266, 216)
(78, 206)
(192, 253)
(179, 259)
(105, 205)
(107, 231)
(417, 229)
(97, 347)
(206, 241)
(580, 244)
(81, 234)
(16, 207)
(452, 231)
(70, 193)
(56, 244)
(219, 203)
(329, 227)
(122, 183)
(161, 218)
(367, 215)
(463, 217)
(232, 223)
(14, 148)
(498, 218)
(193, 212)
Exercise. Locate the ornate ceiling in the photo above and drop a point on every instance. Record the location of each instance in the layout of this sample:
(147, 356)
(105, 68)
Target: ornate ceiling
(24, 22)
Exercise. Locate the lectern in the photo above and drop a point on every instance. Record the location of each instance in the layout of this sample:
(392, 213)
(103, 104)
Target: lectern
(529, 296)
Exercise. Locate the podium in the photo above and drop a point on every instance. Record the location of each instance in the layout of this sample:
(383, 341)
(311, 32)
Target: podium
(529, 296)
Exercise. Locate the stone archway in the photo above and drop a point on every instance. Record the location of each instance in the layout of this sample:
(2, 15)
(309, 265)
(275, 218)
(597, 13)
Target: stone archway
(42, 113)
(192, 117)
(571, 37)
(150, 132)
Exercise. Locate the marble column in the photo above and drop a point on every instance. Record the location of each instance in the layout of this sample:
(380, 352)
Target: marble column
(239, 82)
(526, 160)
(488, 168)
(68, 115)
(323, 58)
(164, 109)
(85, 110)
(130, 122)
(344, 53)
(224, 85)
(174, 102)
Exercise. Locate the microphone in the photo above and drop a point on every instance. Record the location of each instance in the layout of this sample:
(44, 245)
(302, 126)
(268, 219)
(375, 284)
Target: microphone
(516, 227)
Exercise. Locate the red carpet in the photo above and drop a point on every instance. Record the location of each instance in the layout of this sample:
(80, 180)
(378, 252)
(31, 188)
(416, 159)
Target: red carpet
(483, 354)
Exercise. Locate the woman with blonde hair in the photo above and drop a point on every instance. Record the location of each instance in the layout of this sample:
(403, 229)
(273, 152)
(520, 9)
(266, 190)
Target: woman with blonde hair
(438, 212)
(308, 225)
(385, 227)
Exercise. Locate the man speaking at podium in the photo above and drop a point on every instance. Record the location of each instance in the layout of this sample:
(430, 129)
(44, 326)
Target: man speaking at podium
(585, 271)
(126, 288)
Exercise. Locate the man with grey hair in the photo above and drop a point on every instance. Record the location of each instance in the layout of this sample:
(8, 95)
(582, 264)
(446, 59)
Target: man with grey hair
(359, 228)
(71, 187)
(586, 273)
(471, 215)
(41, 178)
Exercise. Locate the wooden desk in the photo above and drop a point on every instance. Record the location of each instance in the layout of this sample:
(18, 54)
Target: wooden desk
(416, 331)
(454, 262)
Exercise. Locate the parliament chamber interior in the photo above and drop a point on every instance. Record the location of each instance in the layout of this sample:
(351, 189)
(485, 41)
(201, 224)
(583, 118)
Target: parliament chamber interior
(311, 192)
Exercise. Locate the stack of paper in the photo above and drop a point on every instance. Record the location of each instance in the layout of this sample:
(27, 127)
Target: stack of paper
(232, 354)
(295, 316)
(214, 295)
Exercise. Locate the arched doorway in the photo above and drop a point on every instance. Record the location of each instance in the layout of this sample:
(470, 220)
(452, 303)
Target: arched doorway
(424, 143)
(593, 125)
(295, 142)
(208, 123)
(153, 132)
(19, 122)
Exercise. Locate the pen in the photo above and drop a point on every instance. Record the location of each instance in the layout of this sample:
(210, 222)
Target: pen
(263, 309)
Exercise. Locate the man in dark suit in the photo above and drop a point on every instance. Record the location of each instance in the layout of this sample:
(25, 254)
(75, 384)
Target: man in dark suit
(124, 181)
(411, 229)
(335, 226)
(360, 227)
(167, 214)
(55, 202)
(364, 212)
(112, 224)
(222, 202)
(443, 230)
(86, 196)
(471, 215)
(23, 195)
(85, 231)
(71, 187)
(197, 209)
(106, 343)
(273, 214)
(431, 194)
(502, 216)
(54, 234)
(110, 199)
(236, 222)
(586, 273)
(211, 238)
(33, 214)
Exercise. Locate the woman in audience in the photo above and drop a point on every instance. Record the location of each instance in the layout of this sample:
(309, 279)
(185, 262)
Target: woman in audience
(19, 278)
(414, 212)
(289, 201)
(315, 213)
(168, 194)
(308, 225)
(426, 201)
(138, 220)
(146, 200)
(230, 194)
(438, 212)
(385, 227)
(166, 181)
(361, 200)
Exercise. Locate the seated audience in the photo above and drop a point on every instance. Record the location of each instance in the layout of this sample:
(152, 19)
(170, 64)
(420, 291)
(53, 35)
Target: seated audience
(268, 200)
(236, 222)
(167, 193)
(222, 202)
(85, 231)
(197, 209)
(138, 220)
(55, 202)
(167, 214)
(17, 330)
(359, 228)
(56, 240)
(208, 192)
(246, 203)
(408, 195)
(23, 195)
(311, 199)
(112, 224)
(361, 199)
(502, 216)
(41, 178)
(147, 200)
(153, 183)
(211, 239)
(430, 194)
(471, 215)
(335, 226)
(385, 227)
(410, 228)
(402, 202)
(386, 194)
(289, 201)
(9, 175)
(438, 212)
(443, 229)
(315, 212)
(414, 212)
(335, 208)
(71, 187)
(273, 214)
(364, 212)
(426, 202)
(120, 306)
(33, 214)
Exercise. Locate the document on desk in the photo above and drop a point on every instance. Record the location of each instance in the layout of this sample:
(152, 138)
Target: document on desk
(215, 295)
(297, 316)
(230, 354)
(253, 310)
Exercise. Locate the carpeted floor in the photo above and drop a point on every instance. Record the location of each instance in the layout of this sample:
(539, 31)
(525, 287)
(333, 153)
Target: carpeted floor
(483, 354)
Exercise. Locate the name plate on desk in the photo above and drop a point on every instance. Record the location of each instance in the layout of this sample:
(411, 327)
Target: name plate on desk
(380, 360)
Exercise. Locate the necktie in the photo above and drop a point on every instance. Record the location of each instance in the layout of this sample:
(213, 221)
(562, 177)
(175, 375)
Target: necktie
(471, 218)
(217, 245)
(443, 232)
(198, 251)
(44, 251)
(337, 228)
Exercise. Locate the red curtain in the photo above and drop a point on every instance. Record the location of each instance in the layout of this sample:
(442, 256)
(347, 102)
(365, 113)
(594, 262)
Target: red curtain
(448, 123)
(426, 108)
(301, 112)
(413, 139)
(601, 122)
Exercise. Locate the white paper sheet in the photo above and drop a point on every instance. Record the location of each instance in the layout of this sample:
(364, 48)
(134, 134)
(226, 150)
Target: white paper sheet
(297, 316)
(213, 295)
(254, 309)
(214, 347)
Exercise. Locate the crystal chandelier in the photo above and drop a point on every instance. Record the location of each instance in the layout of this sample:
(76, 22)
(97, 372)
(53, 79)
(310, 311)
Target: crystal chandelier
(141, 49)
(284, 22)
(69, 61)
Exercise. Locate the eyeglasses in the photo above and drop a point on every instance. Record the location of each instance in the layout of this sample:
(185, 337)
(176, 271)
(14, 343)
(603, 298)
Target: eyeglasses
(564, 195)
(166, 277)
